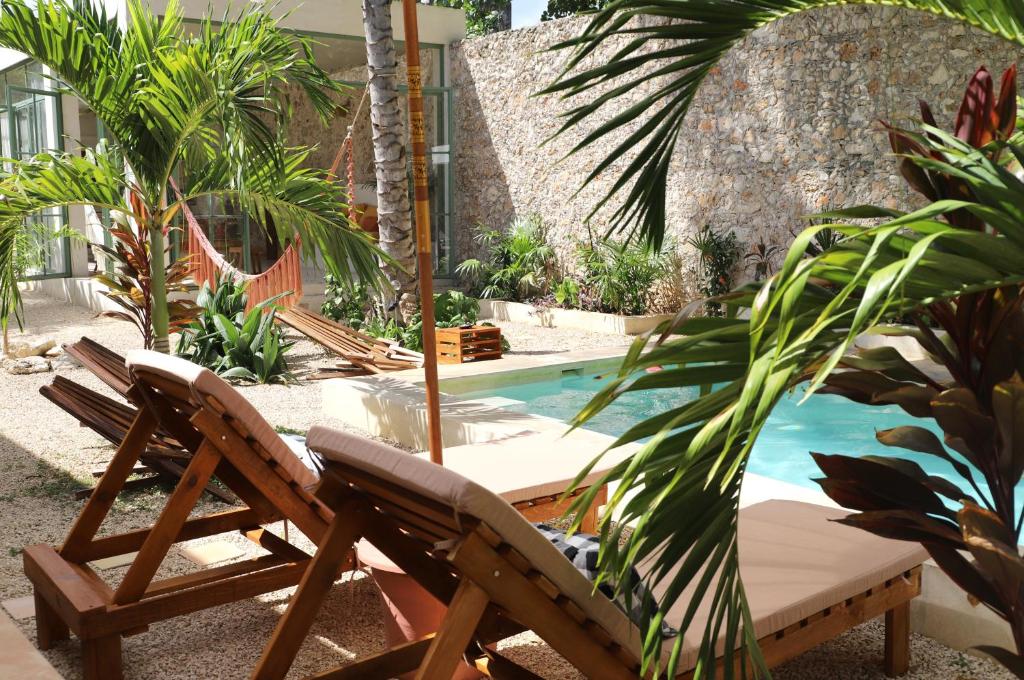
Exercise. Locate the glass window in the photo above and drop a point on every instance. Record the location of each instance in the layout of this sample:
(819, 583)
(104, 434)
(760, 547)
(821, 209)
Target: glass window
(32, 124)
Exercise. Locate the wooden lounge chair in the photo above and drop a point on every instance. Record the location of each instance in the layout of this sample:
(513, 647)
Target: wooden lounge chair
(373, 355)
(226, 437)
(111, 419)
(807, 579)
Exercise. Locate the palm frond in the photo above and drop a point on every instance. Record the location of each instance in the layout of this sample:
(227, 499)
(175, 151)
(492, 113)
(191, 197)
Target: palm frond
(674, 44)
(801, 322)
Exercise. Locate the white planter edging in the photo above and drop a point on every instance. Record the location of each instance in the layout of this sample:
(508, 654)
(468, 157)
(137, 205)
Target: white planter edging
(556, 317)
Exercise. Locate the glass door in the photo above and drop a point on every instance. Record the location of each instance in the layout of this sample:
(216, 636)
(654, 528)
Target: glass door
(33, 125)
(436, 108)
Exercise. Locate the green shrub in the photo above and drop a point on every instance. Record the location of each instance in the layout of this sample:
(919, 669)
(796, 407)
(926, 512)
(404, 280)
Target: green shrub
(233, 343)
(517, 266)
(451, 310)
(349, 305)
(719, 254)
(567, 293)
(618, 277)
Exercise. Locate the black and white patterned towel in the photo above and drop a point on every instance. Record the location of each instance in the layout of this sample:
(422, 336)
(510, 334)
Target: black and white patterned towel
(582, 551)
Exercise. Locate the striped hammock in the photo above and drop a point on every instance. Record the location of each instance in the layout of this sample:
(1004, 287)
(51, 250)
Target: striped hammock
(207, 265)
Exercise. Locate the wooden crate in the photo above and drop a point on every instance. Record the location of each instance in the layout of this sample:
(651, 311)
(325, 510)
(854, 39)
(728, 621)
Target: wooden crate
(460, 345)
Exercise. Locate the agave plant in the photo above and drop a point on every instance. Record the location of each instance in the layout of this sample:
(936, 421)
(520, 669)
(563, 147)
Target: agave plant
(235, 343)
(130, 285)
(799, 327)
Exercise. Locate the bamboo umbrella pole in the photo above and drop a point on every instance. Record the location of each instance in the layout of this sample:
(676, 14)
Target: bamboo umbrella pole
(417, 133)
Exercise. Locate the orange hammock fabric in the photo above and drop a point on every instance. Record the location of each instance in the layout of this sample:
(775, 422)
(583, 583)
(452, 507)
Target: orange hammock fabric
(207, 265)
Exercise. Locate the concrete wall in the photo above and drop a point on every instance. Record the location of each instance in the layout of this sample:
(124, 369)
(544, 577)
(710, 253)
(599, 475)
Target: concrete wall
(786, 125)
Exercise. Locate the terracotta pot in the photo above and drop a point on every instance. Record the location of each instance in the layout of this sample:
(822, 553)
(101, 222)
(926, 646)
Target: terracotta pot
(410, 612)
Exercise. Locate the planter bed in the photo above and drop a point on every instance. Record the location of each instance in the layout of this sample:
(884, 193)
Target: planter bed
(556, 317)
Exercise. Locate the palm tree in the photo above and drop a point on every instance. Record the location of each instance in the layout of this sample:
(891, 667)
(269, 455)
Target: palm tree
(210, 107)
(797, 326)
(394, 217)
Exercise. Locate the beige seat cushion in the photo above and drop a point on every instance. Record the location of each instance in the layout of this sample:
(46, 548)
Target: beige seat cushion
(203, 384)
(526, 467)
(794, 561)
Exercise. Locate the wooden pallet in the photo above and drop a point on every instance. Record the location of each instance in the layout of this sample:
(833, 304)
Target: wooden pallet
(462, 345)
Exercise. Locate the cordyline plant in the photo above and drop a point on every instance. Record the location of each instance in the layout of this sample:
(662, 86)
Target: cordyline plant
(798, 327)
(979, 340)
(210, 104)
(129, 285)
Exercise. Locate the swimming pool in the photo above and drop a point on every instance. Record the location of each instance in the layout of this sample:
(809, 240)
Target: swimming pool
(824, 423)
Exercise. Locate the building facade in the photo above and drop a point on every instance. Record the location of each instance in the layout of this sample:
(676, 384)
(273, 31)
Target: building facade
(37, 116)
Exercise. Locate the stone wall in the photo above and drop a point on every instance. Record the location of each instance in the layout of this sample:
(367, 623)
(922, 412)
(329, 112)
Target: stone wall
(786, 125)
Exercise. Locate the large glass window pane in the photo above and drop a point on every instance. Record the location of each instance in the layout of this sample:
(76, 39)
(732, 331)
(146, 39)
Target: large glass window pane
(32, 126)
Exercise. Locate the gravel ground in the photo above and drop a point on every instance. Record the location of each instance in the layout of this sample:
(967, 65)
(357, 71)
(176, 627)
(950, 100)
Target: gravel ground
(46, 456)
(530, 339)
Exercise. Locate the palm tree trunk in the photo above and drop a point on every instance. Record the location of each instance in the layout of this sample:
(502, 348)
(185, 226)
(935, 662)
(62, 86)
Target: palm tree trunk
(158, 282)
(393, 211)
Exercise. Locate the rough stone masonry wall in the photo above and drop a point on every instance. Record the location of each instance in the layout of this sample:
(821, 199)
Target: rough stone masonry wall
(786, 125)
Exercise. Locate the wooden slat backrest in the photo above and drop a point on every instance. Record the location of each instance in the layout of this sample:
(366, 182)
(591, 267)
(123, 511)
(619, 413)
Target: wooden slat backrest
(426, 524)
(105, 364)
(106, 416)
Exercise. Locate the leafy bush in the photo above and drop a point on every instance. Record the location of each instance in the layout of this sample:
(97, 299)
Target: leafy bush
(567, 293)
(763, 256)
(451, 310)
(130, 285)
(234, 343)
(719, 254)
(349, 305)
(618, 277)
(518, 265)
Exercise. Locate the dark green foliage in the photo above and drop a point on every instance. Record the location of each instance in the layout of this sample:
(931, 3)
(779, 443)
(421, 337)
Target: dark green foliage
(234, 343)
(348, 304)
(979, 407)
(719, 254)
(451, 310)
(617, 278)
(800, 326)
(557, 9)
(518, 265)
(567, 293)
(763, 256)
(482, 16)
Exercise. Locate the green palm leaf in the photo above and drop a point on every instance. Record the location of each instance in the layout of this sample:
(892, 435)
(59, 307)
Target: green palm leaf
(798, 330)
(675, 44)
(211, 103)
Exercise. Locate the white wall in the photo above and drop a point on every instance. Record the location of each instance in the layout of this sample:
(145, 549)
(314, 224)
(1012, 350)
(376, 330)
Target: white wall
(440, 25)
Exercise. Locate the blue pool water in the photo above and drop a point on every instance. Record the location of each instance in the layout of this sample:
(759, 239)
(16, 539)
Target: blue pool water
(823, 423)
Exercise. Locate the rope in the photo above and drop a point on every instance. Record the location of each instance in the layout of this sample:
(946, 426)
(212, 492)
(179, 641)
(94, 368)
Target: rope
(333, 172)
(350, 167)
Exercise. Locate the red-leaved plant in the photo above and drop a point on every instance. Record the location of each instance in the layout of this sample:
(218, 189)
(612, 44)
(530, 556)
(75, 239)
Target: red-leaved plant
(971, 526)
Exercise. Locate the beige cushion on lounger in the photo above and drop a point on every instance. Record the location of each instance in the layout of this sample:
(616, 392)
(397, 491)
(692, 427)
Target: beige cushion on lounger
(798, 561)
(795, 563)
(527, 466)
(203, 383)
